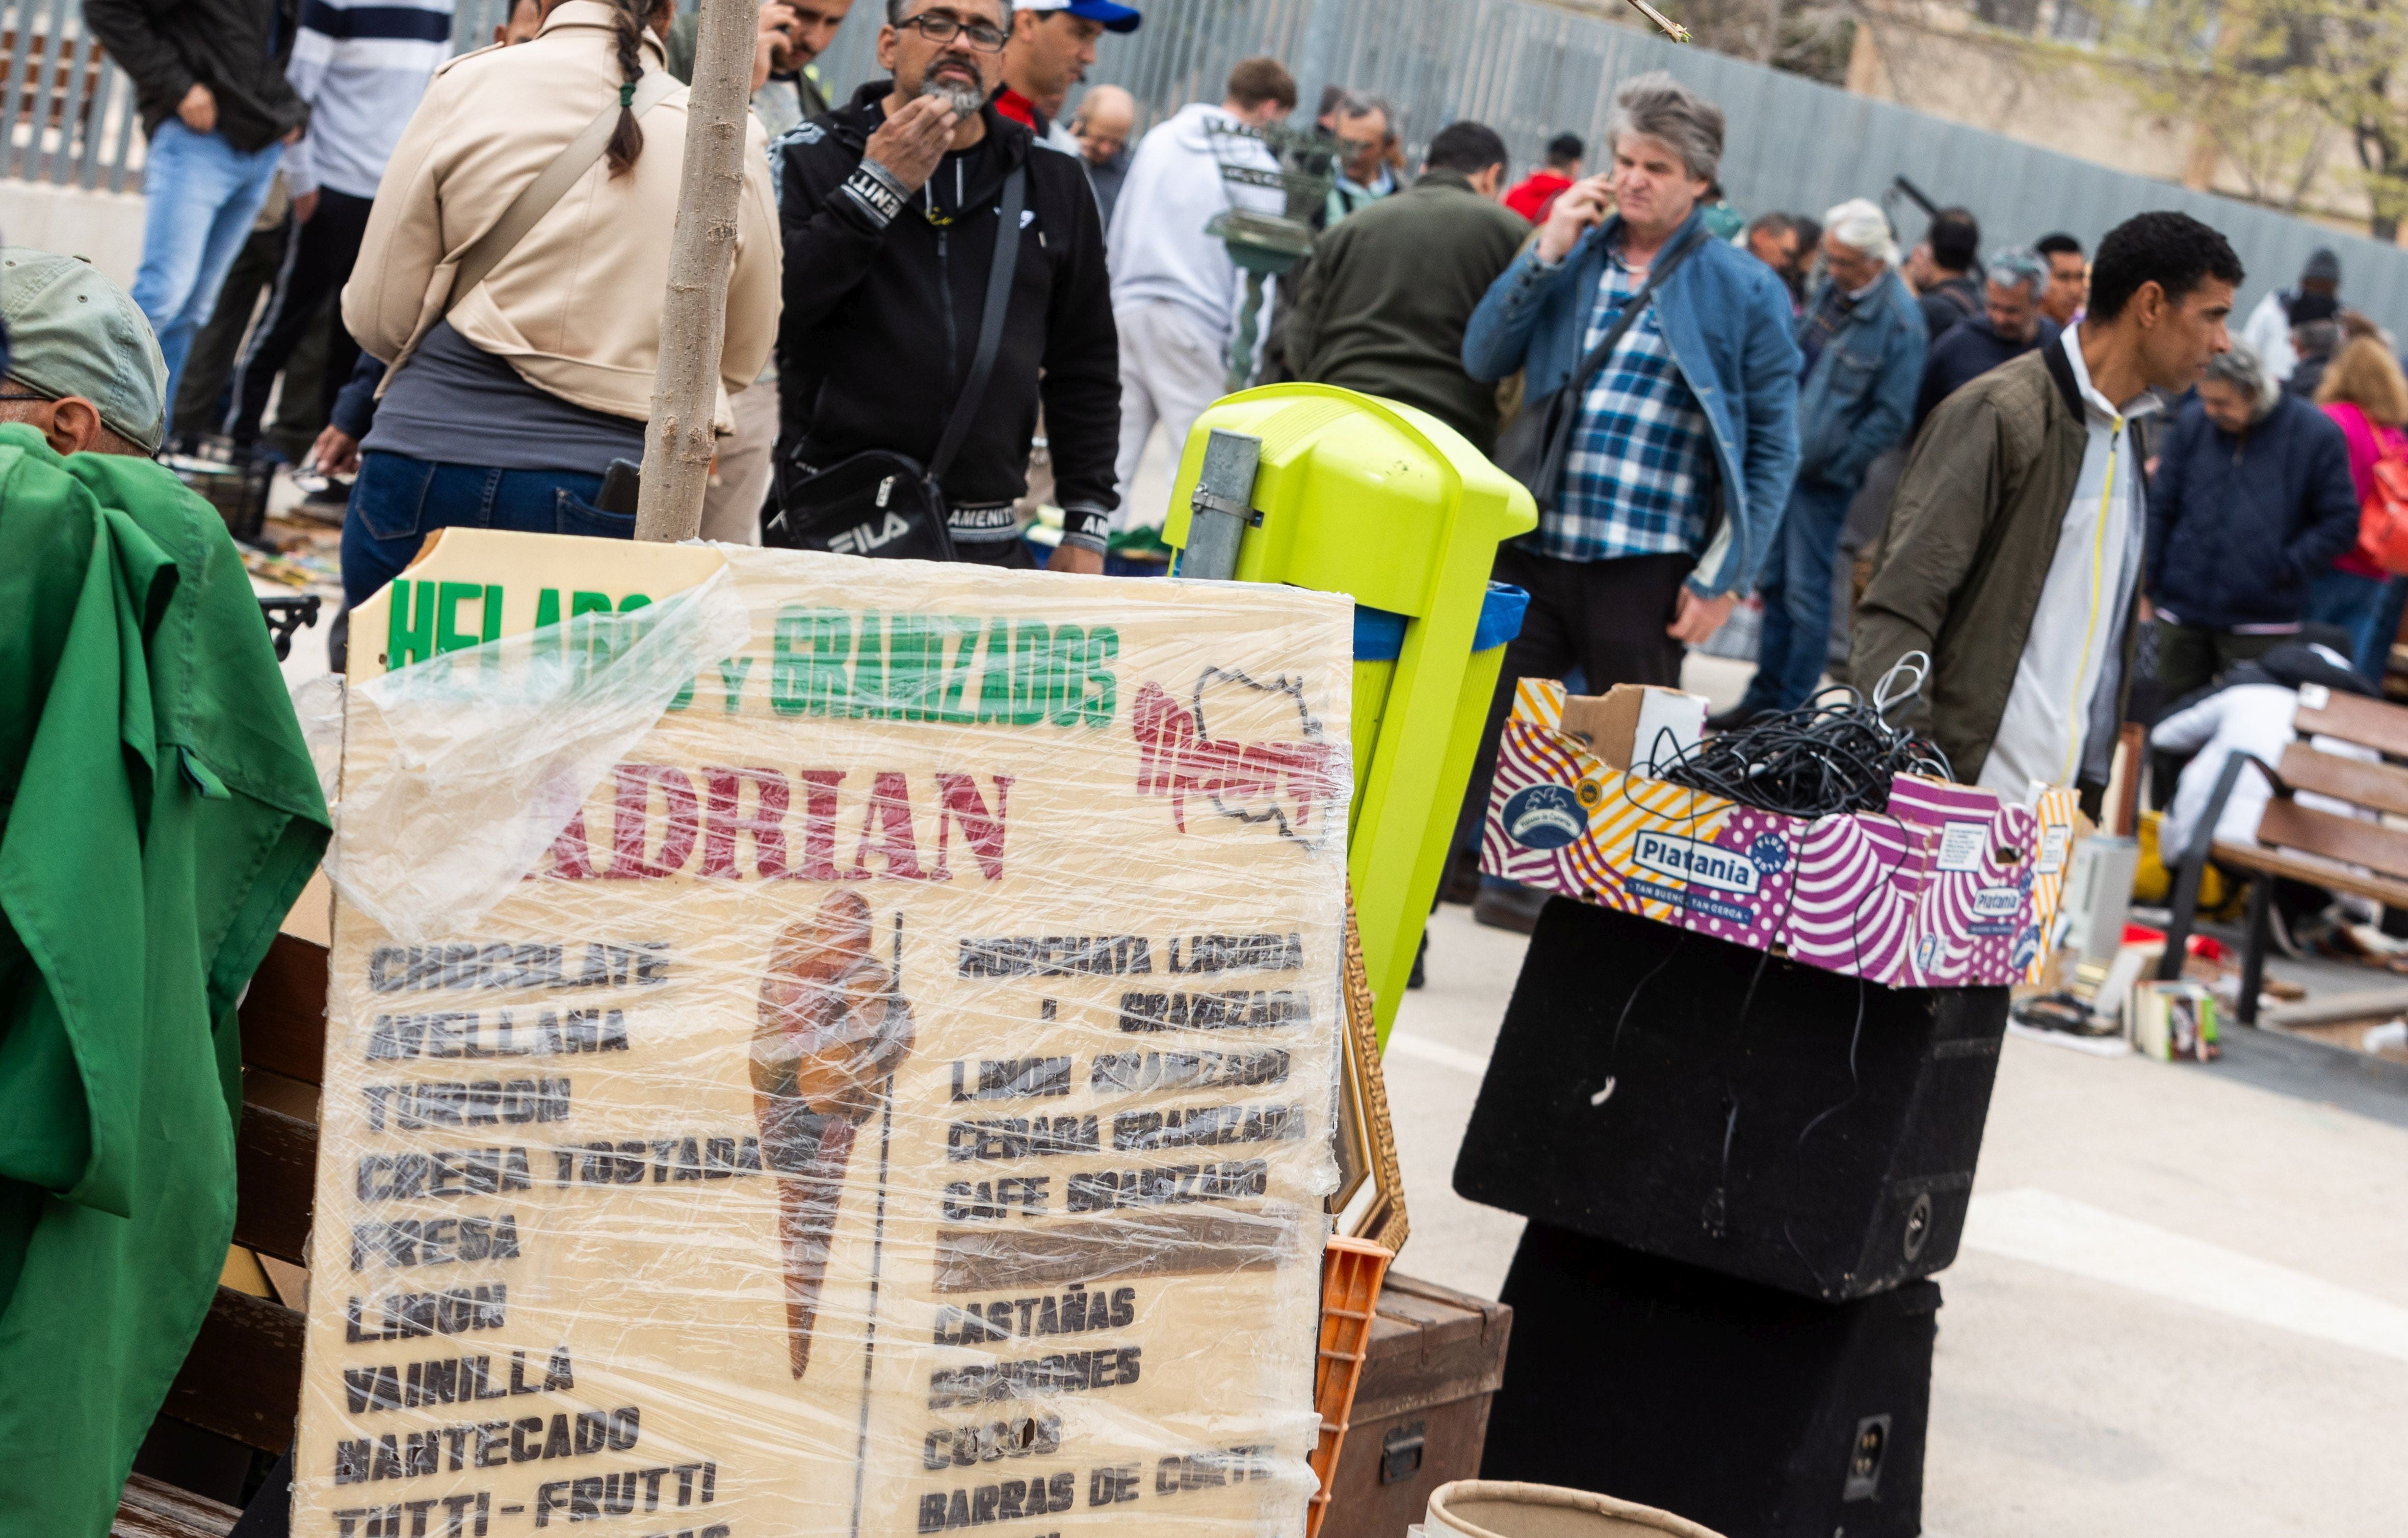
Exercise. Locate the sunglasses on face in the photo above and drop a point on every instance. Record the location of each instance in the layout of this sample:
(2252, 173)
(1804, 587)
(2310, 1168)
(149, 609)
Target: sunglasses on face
(941, 27)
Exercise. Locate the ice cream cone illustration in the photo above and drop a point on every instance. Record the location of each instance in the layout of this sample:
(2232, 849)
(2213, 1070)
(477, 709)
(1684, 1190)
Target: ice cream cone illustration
(832, 1028)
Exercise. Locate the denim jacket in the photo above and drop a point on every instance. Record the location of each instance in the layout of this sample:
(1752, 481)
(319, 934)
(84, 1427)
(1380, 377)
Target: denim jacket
(1859, 396)
(1725, 318)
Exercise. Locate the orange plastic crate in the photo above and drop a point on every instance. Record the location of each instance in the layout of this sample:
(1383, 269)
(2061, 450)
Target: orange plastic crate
(1350, 1273)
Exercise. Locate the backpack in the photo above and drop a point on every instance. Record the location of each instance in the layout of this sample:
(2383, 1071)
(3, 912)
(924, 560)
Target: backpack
(2382, 516)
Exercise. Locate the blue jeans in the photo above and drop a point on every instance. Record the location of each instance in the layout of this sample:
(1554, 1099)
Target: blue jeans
(200, 194)
(2381, 630)
(2359, 605)
(399, 501)
(1795, 582)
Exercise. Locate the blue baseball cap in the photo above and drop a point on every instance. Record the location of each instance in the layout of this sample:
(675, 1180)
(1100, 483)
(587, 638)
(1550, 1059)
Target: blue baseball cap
(1115, 18)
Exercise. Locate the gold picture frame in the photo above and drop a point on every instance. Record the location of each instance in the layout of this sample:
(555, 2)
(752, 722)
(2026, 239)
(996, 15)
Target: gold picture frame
(1370, 1202)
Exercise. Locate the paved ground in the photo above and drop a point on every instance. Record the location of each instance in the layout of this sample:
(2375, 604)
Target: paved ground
(2182, 1307)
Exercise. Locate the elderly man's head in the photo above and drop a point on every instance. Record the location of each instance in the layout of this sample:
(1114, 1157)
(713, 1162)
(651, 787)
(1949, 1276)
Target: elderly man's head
(1857, 243)
(2237, 390)
(2015, 284)
(1107, 115)
(1366, 131)
(1668, 144)
(83, 367)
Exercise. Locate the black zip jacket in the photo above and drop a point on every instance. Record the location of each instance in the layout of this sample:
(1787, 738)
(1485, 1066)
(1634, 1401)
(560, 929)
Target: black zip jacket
(883, 306)
(237, 48)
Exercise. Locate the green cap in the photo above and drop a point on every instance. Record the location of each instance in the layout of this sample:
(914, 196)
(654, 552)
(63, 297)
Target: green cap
(72, 332)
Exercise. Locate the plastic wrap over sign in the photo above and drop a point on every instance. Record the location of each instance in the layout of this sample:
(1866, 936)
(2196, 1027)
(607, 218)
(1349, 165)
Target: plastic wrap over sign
(893, 1097)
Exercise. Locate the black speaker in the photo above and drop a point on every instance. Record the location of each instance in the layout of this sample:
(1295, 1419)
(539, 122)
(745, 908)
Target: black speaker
(1694, 1099)
(1755, 1412)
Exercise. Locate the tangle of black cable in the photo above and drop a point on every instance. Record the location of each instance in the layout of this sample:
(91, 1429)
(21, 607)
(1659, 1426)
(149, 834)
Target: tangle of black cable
(1836, 753)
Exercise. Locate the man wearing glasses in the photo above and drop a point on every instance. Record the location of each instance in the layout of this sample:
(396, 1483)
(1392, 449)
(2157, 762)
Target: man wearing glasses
(890, 211)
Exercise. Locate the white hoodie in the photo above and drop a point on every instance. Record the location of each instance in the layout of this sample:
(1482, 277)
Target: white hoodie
(2253, 718)
(1159, 249)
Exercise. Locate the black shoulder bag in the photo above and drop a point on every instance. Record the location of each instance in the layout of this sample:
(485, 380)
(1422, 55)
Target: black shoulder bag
(883, 504)
(1533, 450)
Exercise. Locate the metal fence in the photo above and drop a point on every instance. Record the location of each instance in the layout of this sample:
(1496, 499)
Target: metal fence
(1531, 71)
(1527, 69)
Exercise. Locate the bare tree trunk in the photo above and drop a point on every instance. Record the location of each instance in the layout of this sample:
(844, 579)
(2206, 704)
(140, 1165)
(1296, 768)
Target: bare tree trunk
(677, 444)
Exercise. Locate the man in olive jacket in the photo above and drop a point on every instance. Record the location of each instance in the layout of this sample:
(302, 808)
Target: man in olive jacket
(1390, 289)
(2012, 556)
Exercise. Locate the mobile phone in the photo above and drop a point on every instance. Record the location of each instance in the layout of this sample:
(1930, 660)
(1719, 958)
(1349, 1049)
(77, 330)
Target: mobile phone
(621, 484)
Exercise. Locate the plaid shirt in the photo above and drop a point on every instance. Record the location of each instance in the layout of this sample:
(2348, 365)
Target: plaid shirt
(1633, 478)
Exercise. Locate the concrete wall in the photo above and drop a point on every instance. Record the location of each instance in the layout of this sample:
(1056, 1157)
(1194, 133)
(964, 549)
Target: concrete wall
(104, 228)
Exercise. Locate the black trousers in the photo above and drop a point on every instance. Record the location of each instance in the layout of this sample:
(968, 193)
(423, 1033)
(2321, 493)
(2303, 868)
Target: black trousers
(1605, 618)
(201, 389)
(318, 258)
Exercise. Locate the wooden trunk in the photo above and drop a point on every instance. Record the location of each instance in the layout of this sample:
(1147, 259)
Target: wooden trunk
(1421, 1413)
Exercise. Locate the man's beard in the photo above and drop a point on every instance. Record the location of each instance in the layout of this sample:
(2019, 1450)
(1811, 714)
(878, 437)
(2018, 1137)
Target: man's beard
(963, 99)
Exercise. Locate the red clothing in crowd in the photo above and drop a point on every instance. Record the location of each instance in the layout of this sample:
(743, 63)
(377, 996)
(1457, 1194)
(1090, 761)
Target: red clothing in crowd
(1019, 108)
(2367, 442)
(1536, 195)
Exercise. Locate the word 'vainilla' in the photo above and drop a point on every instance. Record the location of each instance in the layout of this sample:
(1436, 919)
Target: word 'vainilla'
(1070, 1373)
(662, 822)
(408, 1315)
(485, 1445)
(450, 1380)
(479, 1103)
(1133, 1072)
(1055, 956)
(599, 1495)
(942, 667)
(1074, 1311)
(473, 1034)
(1240, 1010)
(501, 964)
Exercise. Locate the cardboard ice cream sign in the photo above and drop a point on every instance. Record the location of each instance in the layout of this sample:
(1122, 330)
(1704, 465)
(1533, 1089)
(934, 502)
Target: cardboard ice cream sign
(1950, 886)
(820, 1046)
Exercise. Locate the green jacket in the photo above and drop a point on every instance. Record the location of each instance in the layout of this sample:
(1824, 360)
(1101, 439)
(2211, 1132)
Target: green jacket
(160, 816)
(1972, 530)
(1384, 303)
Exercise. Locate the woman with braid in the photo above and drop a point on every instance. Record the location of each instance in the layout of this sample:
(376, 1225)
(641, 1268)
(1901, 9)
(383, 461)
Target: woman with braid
(509, 397)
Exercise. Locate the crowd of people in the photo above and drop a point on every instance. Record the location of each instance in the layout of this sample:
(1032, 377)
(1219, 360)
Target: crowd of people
(2028, 451)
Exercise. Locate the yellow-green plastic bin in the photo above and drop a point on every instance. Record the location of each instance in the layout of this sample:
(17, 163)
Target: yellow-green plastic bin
(1390, 506)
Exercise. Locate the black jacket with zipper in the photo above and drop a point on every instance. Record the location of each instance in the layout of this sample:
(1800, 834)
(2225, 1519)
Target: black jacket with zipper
(881, 317)
(237, 48)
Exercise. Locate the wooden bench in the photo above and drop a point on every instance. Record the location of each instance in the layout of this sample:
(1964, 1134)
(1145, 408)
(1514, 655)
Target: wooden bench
(2348, 854)
(242, 1379)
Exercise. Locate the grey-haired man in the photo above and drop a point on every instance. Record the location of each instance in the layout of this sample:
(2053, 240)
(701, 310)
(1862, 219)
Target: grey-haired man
(2011, 323)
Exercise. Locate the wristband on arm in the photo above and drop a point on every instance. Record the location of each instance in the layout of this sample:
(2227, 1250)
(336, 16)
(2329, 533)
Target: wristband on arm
(878, 190)
(1088, 528)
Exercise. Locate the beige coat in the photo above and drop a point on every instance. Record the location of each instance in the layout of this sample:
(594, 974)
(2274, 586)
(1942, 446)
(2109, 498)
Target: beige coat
(576, 305)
